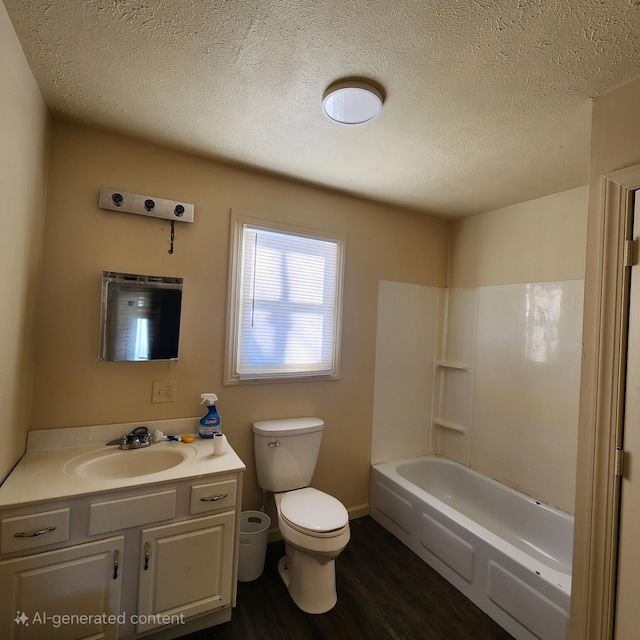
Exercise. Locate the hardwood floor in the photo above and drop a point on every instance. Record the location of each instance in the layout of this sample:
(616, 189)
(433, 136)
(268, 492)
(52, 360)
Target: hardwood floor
(385, 592)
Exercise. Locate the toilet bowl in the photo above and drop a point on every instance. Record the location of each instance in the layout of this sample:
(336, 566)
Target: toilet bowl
(315, 529)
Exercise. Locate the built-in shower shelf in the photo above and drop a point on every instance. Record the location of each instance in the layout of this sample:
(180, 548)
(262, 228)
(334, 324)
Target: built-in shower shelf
(449, 424)
(446, 364)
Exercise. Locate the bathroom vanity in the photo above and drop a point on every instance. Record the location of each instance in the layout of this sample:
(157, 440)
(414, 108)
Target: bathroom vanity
(96, 542)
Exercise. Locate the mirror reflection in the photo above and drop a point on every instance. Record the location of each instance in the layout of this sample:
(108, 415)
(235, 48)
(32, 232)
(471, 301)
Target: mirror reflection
(140, 317)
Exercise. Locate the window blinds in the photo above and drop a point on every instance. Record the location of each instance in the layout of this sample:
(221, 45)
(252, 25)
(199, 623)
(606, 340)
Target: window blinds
(288, 304)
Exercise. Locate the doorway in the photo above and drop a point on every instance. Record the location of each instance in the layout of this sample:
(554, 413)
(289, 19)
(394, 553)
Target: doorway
(603, 380)
(627, 613)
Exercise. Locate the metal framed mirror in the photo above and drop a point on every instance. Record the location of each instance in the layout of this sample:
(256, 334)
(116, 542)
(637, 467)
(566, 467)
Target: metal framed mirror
(140, 318)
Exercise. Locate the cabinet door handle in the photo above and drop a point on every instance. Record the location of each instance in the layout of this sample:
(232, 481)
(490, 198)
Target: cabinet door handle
(146, 556)
(116, 557)
(33, 534)
(220, 496)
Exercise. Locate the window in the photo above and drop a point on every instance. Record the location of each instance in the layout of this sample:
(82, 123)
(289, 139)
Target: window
(285, 300)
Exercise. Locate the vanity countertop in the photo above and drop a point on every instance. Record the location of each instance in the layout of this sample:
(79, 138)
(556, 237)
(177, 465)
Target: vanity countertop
(45, 473)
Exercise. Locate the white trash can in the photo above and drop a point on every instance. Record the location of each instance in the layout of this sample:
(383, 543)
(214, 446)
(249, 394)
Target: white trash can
(254, 534)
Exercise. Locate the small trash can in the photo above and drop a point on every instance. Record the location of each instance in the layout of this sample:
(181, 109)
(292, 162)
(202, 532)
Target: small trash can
(254, 534)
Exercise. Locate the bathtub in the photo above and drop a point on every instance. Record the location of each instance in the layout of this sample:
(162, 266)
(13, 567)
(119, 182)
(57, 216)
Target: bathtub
(508, 553)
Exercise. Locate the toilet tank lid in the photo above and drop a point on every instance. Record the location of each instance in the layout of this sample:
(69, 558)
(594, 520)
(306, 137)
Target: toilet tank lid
(288, 426)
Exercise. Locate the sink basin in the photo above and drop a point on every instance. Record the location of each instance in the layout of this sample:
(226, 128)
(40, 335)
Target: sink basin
(110, 464)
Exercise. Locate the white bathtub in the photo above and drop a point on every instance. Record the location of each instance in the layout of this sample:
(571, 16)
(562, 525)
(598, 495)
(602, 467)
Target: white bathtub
(508, 553)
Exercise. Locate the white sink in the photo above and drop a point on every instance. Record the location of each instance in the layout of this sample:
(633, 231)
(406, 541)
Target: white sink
(112, 463)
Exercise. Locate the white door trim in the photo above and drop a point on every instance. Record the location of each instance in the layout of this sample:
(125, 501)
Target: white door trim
(601, 404)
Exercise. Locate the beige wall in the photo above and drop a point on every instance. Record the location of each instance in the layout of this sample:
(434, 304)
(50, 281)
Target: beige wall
(74, 388)
(536, 241)
(24, 143)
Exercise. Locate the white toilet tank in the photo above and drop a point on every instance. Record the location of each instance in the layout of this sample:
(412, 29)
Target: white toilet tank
(286, 452)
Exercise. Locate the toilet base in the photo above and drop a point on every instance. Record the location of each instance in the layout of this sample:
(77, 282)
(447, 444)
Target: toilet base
(310, 582)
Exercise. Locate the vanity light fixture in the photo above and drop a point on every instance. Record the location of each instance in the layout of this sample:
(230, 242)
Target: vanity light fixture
(115, 200)
(352, 102)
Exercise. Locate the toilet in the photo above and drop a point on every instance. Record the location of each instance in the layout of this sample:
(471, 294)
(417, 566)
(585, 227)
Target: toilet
(313, 524)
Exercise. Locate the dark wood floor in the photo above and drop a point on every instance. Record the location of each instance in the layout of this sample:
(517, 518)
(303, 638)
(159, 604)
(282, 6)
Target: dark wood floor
(385, 592)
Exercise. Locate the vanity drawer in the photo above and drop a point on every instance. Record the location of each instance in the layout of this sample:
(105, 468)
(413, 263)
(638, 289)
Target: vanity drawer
(123, 513)
(212, 496)
(34, 530)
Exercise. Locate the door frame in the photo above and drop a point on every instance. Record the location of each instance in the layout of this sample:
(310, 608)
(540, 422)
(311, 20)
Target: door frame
(601, 405)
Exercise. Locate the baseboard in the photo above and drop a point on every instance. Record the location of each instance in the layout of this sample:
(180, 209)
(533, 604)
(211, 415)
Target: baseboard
(359, 511)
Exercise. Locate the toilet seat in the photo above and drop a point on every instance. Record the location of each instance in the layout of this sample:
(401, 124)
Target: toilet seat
(313, 512)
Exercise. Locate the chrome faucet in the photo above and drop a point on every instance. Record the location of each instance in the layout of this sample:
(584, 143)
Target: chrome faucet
(137, 439)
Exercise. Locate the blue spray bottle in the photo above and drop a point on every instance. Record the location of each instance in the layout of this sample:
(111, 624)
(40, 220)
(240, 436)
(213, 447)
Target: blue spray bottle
(209, 424)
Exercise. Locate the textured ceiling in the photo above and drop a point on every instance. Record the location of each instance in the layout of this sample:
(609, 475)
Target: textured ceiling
(487, 102)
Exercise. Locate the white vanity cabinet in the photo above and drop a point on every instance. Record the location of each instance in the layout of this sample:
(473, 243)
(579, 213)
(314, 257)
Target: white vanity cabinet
(148, 561)
(187, 569)
(83, 581)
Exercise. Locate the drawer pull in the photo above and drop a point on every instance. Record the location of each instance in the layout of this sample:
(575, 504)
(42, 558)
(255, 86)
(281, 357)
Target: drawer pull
(116, 557)
(35, 534)
(146, 556)
(221, 496)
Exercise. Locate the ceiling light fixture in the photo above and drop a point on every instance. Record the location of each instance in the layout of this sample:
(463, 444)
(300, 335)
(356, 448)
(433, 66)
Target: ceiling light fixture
(352, 102)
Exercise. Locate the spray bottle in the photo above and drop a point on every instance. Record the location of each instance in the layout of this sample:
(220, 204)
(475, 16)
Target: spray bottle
(209, 424)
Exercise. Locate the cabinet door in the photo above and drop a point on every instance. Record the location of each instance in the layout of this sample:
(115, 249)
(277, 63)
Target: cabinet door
(68, 594)
(186, 570)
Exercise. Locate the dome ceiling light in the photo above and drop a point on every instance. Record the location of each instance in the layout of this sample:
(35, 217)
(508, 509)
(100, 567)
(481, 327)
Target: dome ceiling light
(352, 102)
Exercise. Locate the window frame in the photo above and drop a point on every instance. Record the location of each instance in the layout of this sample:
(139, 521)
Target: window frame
(240, 219)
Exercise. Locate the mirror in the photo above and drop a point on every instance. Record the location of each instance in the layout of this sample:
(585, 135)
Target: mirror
(140, 317)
